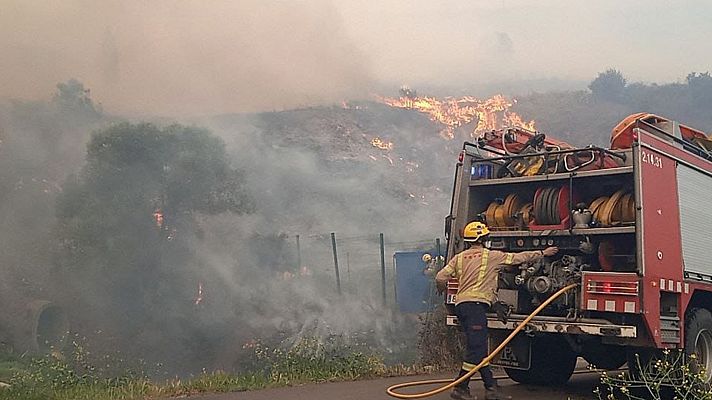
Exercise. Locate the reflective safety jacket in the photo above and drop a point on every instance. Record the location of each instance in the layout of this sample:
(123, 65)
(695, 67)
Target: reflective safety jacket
(477, 272)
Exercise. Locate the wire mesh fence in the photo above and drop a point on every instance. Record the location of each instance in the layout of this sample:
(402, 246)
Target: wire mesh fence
(361, 266)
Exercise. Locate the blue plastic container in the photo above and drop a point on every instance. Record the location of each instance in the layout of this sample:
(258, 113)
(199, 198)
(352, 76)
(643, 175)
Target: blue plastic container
(413, 286)
(482, 171)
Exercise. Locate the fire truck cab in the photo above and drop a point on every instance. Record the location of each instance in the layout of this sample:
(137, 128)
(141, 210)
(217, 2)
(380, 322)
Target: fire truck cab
(633, 228)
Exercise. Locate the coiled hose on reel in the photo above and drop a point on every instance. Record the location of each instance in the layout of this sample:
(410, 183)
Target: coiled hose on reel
(454, 382)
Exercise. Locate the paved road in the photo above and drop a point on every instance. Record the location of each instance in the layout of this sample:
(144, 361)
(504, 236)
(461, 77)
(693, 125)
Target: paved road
(579, 388)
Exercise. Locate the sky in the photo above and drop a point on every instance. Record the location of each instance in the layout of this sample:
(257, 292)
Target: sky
(192, 57)
(649, 40)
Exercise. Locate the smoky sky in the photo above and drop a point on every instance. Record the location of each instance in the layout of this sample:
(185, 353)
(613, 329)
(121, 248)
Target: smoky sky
(195, 58)
(443, 42)
(181, 57)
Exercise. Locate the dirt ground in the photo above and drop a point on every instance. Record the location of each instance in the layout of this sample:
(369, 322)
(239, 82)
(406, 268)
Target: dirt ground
(580, 387)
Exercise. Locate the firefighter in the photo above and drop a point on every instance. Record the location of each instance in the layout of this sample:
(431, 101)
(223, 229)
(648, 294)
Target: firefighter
(477, 270)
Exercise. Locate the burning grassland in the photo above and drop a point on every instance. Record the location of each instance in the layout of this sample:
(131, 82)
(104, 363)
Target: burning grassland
(483, 114)
(404, 146)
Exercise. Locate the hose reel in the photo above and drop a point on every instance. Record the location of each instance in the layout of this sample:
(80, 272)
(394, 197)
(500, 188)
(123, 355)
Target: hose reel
(504, 213)
(617, 209)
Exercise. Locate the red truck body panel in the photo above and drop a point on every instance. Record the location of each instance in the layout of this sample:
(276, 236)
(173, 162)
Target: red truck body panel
(663, 267)
(660, 250)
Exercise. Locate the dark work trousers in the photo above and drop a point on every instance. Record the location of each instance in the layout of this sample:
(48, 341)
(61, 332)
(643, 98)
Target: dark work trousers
(473, 320)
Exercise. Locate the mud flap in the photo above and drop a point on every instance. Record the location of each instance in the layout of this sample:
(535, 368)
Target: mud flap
(517, 354)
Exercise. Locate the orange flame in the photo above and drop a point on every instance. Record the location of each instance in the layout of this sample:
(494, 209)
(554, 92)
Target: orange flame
(489, 114)
(158, 217)
(381, 144)
(199, 297)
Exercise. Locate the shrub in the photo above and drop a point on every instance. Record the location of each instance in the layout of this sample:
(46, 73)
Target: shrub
(669, 376)
(313, 360)
(440, 346)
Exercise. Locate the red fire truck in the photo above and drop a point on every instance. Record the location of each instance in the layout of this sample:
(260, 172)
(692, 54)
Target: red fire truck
(634, 230)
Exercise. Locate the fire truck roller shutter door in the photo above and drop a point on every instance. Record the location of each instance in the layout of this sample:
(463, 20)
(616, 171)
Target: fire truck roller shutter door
(694, 192)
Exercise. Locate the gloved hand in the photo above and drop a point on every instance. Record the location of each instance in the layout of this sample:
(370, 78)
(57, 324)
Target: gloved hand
(550, 251)
(502, 309)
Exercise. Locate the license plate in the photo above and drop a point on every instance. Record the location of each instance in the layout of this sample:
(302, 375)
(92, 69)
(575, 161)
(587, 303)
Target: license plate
(517, 353)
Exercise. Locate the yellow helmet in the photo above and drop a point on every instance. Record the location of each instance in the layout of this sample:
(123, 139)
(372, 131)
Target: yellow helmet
(427, 257)
(474, 231)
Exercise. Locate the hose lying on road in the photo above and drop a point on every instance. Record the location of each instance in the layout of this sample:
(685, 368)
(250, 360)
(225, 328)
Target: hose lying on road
(454, 382)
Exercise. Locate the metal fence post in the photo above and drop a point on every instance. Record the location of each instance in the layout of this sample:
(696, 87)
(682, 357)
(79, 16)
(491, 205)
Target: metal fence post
(395, 281)
(383, 268)
(348, 270)
(299, 255)
(336, 262)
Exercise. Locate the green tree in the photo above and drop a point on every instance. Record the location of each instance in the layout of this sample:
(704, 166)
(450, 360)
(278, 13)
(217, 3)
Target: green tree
(700, 86)
(72, 96)
(126, 222)
(42, 142)
(609, 86)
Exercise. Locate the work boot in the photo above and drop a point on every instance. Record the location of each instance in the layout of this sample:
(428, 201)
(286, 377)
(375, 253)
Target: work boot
(495, 393)
(462, 394)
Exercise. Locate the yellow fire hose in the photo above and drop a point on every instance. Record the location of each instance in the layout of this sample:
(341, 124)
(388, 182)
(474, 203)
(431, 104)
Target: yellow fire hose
(454, 382)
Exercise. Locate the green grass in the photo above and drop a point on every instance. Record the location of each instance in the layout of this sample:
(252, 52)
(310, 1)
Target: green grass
(307, 361)
(8, 369)
(136, 389)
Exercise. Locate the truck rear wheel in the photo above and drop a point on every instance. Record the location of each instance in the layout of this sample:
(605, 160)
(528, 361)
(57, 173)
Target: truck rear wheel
(552, 362)
(698, 340)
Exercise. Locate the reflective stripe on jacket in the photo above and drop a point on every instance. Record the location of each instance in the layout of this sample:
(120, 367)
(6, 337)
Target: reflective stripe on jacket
(477, 271)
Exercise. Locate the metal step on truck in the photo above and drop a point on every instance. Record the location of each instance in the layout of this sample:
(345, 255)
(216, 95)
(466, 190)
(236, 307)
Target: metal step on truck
(634, 227)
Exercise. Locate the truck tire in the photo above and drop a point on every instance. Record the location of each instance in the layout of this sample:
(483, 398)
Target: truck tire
(552, 363)
(698, 340)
